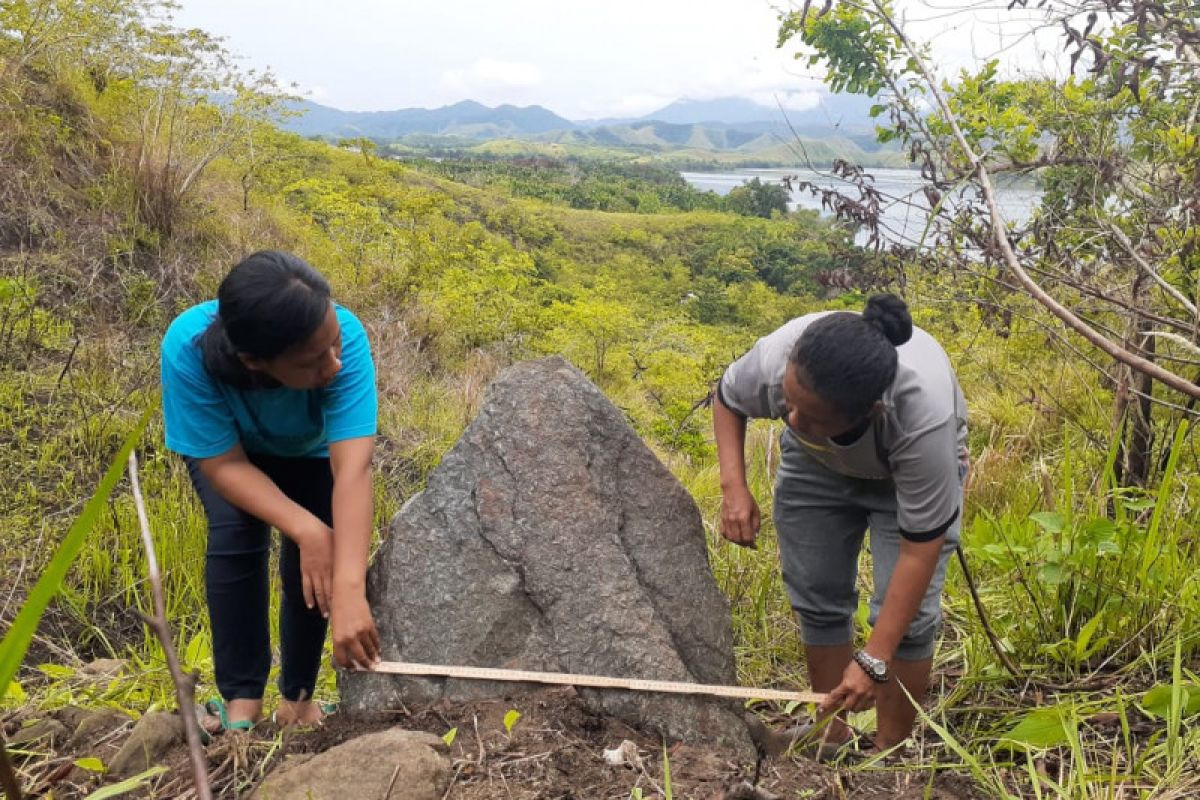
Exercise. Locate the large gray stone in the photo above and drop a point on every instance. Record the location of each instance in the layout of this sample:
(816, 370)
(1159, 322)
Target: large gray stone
(396, 764)
(551, 538)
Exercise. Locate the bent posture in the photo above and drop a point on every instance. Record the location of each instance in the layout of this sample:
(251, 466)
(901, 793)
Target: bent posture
(875, 439)
(269, 395)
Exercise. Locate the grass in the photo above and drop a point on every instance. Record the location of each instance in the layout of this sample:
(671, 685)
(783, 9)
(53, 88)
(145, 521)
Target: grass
(1092, 588)
(1102, 614)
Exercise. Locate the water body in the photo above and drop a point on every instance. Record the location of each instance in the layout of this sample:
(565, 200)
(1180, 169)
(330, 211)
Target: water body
(904, 205)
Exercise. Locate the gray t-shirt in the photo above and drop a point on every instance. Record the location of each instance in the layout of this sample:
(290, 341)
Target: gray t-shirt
(919, 441)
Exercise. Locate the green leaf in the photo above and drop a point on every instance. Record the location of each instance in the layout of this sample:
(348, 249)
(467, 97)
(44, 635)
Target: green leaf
(1044, 727)
(197, 651)
(91, 764)
(510, 719)
(667, 791)
(1052, 573)
(56, 671)
(128, 785)
(14, 693)
(1158, 700)
(1050, 521)
(449, 736)
(16, 641)
(1084, 639)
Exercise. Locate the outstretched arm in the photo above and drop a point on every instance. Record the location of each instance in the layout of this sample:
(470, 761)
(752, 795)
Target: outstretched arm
(355, 638)
(740, 517)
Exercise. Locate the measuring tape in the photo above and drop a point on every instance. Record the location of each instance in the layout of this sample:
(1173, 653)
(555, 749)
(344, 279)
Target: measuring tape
(593, 681)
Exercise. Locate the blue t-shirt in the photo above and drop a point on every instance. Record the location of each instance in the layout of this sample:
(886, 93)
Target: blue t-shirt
(205, 417)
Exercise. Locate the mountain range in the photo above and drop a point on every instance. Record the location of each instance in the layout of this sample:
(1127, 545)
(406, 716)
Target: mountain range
(721, 125)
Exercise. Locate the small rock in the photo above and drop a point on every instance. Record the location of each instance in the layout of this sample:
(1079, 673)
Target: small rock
(150, 740)
(103, 668)
(624, 753)
(42, 734)
(70, 716)
(96, 724)
(413, 764)
(744, 790)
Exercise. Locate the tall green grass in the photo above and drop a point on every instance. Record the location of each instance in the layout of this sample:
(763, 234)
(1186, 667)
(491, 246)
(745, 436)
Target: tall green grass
(16, 641)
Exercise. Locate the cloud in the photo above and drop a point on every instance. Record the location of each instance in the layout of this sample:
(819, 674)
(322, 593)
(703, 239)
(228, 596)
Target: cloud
(487, 74)
(318, 94)
(635, 105)
(790, 100)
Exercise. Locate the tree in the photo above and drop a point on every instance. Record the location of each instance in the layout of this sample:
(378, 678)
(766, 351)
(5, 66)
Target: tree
(1112, 250)
(758, 199)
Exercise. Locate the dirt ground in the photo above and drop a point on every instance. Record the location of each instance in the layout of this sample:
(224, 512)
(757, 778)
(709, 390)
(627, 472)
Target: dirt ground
(555, 751)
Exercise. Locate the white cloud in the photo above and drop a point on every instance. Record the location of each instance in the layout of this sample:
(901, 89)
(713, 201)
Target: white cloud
(318, 94)
(635, 105)
(490, 73)
(790, 100)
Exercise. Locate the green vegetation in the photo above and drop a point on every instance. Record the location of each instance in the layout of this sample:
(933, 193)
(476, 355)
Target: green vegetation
(628, 146)
(125, 198)
(601, 185)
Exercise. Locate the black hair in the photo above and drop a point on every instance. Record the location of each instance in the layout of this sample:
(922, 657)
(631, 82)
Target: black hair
(269, 302)
(848, 359)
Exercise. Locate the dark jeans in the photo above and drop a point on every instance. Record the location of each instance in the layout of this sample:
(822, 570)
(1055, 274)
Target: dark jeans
(236, 581)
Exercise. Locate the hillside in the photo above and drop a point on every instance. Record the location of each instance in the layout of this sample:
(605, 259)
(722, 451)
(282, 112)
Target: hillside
(1068, 662)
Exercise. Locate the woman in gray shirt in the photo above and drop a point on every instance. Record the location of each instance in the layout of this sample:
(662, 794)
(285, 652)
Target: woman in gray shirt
(875, 439)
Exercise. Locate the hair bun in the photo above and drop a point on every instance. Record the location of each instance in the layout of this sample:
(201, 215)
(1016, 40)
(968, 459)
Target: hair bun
(889, 315)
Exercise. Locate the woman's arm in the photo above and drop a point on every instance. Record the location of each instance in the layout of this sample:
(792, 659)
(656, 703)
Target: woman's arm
(909, 582)
(740, 517)
(355, 639)
(248, 488)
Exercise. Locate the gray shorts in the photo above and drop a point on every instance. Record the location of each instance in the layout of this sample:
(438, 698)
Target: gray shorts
(820, 519)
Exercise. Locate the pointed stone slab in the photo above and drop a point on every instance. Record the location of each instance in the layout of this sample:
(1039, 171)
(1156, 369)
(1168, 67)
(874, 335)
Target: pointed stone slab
(551, 538)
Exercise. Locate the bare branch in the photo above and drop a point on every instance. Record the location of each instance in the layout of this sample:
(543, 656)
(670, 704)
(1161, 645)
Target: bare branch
(1145, 266)
(184, 685)
(1177, 339)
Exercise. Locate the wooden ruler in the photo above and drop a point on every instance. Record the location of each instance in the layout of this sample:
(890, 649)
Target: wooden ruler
(593, 681)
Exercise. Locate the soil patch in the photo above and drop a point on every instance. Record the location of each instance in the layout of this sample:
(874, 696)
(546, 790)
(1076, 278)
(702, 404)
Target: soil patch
(555, 750)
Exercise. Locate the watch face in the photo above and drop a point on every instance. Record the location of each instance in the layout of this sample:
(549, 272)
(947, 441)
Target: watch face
(875, 668)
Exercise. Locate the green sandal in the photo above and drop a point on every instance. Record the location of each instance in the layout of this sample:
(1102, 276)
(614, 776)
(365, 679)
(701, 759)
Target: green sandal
(216, 708)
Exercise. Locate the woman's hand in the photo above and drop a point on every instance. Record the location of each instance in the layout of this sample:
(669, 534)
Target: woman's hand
(355, 638)
(856, 692)
(316, 564)
(740, 518)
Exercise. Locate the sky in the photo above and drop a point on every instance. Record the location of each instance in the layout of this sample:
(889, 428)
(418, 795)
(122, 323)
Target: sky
(582, 60)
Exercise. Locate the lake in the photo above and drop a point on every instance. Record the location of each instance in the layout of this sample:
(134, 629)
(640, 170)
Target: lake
(904, 204)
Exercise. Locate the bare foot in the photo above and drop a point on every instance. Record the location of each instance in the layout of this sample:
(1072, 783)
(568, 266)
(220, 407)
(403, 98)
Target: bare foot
(298, 712)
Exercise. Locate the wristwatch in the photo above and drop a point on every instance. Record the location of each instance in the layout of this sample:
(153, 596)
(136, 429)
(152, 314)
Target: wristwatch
(876, 668)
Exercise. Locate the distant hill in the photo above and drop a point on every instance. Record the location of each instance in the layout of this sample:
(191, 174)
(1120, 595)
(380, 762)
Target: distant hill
(467, 118)
(847, 114)
(725, 129)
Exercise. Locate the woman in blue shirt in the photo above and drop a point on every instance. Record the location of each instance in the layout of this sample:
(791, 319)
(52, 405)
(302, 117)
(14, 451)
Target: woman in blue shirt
(269, 395)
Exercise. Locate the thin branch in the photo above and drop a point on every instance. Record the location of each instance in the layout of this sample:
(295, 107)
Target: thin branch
(184, 685)
(1004, 657)
(1176, 338)
(1145, 266)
